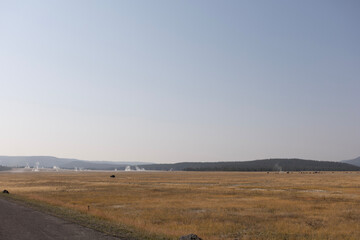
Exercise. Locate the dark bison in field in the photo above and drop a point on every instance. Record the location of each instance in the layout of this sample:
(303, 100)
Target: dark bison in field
(190, 237)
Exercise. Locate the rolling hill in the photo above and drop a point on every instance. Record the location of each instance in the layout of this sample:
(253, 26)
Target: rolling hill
(66, 163)
(355, 161)
(257, 165)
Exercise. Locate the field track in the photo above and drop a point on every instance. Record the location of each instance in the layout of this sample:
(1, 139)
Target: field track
(18, 222)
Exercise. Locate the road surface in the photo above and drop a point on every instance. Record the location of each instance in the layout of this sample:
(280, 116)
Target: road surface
(18, 222)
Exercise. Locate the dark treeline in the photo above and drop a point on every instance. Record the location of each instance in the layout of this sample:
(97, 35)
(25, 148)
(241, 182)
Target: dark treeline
(3, 168)
(257, 165)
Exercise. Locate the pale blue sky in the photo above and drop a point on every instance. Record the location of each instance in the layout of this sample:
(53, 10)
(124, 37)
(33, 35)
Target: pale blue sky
(170, 81)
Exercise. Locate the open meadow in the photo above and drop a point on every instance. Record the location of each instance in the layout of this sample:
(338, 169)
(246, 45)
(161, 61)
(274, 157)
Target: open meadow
(213, 205)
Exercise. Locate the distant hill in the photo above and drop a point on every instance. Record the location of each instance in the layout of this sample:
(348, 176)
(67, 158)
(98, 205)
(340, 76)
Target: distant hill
(257, 165)
(355, 161)
(66, 163)
(93, 165)
(22, 161)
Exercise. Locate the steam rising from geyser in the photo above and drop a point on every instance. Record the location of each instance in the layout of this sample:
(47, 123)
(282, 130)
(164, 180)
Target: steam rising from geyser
(128, 168)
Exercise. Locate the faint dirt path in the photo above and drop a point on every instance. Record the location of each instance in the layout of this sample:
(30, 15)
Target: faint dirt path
(18, 222)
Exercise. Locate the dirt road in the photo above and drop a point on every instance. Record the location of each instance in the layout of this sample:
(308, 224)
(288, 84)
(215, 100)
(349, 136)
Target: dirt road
(18, 222)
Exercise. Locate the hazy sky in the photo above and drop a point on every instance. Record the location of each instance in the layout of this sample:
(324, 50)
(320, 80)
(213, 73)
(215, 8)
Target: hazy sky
(170, 81)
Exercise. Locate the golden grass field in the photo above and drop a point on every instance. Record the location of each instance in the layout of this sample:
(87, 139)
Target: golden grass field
(213, 205)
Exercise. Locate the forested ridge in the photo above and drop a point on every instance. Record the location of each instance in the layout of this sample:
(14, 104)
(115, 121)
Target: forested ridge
(256, 165)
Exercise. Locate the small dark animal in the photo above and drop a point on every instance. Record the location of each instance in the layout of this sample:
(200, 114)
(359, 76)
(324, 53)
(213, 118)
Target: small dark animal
(112, 176)
(190, 237)
(6, 191)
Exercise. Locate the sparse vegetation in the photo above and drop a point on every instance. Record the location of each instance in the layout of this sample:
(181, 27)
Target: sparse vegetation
(214, 205)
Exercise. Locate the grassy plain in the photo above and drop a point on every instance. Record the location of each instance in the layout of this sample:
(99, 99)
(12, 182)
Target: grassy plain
(213, 205)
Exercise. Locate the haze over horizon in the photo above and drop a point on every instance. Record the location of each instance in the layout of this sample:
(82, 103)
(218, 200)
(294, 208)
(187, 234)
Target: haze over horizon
(175, 81)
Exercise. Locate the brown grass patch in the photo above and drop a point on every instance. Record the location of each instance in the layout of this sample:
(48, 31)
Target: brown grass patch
(214, 205)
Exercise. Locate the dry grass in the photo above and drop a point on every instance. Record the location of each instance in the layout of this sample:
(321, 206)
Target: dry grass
(214, 205)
